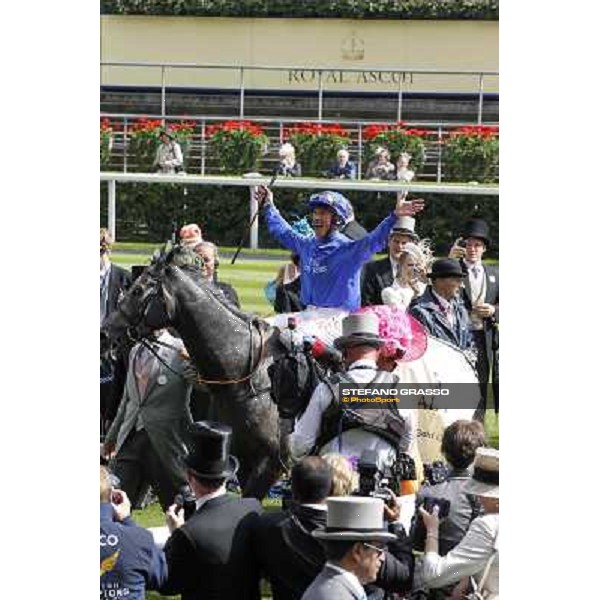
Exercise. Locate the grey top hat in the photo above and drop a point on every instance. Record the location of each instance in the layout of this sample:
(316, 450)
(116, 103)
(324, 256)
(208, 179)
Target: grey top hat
(359, 330)
(354, 518)
(405, 226)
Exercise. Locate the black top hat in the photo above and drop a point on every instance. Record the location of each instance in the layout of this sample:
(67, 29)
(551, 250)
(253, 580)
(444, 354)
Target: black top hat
(208, 456)
(446, 267)
(477, 228)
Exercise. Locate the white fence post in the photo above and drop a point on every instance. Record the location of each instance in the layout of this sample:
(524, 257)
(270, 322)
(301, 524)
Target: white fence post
(112, 208)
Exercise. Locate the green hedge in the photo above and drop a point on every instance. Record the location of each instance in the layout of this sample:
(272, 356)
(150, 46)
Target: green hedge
(148, 212)
(341, 9)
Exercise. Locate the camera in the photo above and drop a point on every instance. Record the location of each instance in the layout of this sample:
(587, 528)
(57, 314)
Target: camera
(436, 472)
(419, 532)
(404, 468)
(185, 499)
(371, 481)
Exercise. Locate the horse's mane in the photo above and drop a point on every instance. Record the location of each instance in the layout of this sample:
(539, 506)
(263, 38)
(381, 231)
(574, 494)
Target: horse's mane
(191, 263)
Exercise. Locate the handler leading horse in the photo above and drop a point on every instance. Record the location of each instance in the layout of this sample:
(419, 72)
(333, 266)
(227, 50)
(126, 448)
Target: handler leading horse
(228, 348)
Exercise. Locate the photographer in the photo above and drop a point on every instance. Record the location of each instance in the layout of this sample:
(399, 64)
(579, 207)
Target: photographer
(291, 557)
(459, 445)
(130, 563)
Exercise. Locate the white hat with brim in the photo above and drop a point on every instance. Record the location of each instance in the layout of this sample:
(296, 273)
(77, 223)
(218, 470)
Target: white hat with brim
(354, 519)
(485, 480)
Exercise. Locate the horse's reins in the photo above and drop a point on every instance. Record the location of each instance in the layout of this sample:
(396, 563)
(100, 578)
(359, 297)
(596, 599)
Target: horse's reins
(199, 379)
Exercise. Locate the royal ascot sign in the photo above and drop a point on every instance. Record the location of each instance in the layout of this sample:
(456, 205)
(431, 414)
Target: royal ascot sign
(329, 77)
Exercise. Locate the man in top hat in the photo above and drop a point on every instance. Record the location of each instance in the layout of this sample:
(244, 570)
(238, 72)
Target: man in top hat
(440, 308)
(331, 262)
(380, 274)
(354, 540)
(169, 158)
(481, 296)
(114, 281)
(324, 427)
(211, 555)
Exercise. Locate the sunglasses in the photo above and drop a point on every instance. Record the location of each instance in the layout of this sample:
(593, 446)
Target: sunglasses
(380, 551)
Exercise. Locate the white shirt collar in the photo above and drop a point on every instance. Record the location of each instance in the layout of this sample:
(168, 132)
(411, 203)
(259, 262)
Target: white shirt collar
(350, 577)
(202, 501)
(363, 362)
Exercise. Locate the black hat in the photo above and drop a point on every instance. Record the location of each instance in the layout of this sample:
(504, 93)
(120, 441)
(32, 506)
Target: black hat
(168, 133)
(445, 267)
(477, 228)
(208, 456)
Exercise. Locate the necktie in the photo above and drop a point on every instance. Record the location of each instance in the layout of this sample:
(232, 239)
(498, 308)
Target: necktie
(144, 363)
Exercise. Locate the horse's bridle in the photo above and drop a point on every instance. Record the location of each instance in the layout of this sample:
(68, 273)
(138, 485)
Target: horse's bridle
(132, 329)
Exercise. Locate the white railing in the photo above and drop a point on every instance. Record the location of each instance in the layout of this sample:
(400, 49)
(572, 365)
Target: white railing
(199, 159)
(399, 77)
(303, 183)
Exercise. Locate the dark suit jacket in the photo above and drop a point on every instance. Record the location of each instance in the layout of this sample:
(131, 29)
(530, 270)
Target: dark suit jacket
(119, 281)
(229, 293)
(211, 557)
(291, 558)
(427, 310)
(376, 275)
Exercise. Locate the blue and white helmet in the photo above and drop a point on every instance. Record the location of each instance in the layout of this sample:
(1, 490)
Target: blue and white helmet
(339, 204)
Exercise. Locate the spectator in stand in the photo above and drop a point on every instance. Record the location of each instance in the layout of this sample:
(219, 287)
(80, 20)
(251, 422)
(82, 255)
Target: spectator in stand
(343, 168)
(477, 555)
(403, 173)
(440, 308)
(381, 167)
(169, 158)
(481, 295)
(114, 282)
(130, 562)
(411, 276)
(330, 261)
(288, 165)
(147, 437)
(190, 235)
(210, 257)
(380, 274)
(212, 555)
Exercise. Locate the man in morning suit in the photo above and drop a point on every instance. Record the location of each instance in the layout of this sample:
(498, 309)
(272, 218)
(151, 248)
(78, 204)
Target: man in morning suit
(481, 296)
(211, 556)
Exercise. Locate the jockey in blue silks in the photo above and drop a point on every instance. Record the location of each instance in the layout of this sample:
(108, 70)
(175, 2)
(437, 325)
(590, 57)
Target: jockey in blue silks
(330, 261)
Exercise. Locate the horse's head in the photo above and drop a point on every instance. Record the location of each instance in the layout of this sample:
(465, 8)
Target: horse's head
(148, 305)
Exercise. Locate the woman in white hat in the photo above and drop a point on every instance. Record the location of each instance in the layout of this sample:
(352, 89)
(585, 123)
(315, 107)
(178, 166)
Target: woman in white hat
(477, 555)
